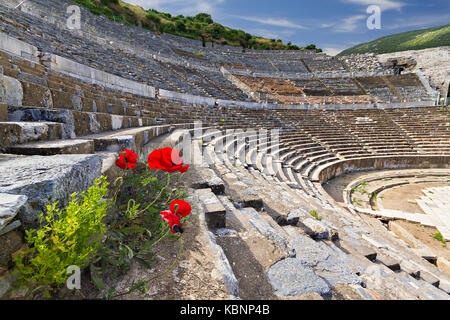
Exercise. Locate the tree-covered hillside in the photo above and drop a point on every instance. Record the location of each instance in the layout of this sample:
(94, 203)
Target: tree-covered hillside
(411, 40)
(199, 27)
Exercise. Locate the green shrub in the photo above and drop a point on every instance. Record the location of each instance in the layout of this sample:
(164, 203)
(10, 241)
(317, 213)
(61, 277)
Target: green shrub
(180, 25)
(315, 215)
(106, 2)
(65, 238)
(440, 238)
(203, 17)
(189, 27)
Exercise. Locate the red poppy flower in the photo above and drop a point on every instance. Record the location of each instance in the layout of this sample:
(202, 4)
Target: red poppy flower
(168, 160)
(184, 208)
(127, 160)
(173, 220)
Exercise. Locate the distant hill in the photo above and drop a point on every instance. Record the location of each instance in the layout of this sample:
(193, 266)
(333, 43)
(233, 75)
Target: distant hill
(411, 40)
(199, 27)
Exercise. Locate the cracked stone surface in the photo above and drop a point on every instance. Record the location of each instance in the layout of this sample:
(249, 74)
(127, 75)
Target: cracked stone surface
(292, 277)
(45, 180)
(10, 204)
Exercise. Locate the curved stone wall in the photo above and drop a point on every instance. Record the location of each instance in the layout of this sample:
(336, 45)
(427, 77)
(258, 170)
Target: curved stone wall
(378, 163)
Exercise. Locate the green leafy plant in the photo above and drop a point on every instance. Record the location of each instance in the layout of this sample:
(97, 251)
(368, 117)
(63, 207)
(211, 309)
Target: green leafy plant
(438, 236)
(315, 215)
(69, 237)
(141, 198)
(357, 201)
(107, 235)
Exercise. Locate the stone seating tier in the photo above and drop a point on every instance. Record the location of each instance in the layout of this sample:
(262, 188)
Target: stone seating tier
(196, 73)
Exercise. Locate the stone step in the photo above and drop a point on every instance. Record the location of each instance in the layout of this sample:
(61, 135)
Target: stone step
(13, 133)
(73, 146)
(79, 123)
(388, 261)
(129, 138)
(250, 253)
(327, 260)
(203, 178)
(10, 204)
(215, 213)
(45, 180)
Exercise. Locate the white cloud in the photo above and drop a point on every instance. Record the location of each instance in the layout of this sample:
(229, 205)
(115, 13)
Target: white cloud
(270, 34)
(332, 51)
(349, 24)
(277, 22)
(384, 4)
(264, 33)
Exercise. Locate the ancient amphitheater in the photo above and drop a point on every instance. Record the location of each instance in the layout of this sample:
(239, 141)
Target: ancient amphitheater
(313, 177)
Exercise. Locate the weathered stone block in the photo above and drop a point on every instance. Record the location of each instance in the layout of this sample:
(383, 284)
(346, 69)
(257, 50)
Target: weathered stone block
(215, 213)
(317, 229)
(61, 99)
(36, 95)
(48, 148)
(430, 278)
(12, 133)
(268, 231)
(389, 262)
(45, 180)
(38, 115)
(11, 91)
(10, 204)
(403, 234)
(443, 264)
(206, 178)
(115, 144)
(295, 216)
(292, 277)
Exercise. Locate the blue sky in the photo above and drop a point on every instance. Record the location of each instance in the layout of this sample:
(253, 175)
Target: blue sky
(333, 25)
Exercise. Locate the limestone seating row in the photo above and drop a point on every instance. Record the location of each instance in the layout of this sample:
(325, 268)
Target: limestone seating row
(378, 136)
(46, 89)
(375, 136)
(257, 158)
(238, 171)
(256, 166)
(309, 170)
(161, 72)
(131, 59)
(38, 96)
(107, 141)
(205, 86)
(78, 123)
(267, 228)
(386, 262)
(12, 133)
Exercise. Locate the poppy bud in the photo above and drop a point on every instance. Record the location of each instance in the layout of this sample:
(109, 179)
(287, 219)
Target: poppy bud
(176, 229)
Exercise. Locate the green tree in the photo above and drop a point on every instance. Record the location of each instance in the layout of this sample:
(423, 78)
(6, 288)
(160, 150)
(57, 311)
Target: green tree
(203, 17)
(106, 2)
(180, 26)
